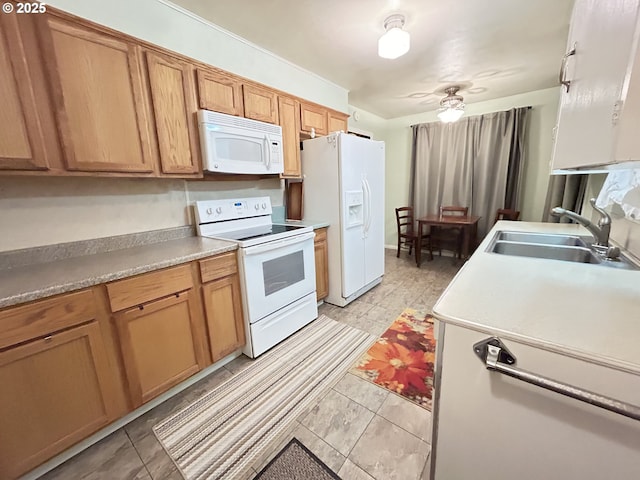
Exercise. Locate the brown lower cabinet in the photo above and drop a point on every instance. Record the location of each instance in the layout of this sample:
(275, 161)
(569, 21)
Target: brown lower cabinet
(56, 391)
(322, 263)
(74, 363)
(159, 345)
(222, 304)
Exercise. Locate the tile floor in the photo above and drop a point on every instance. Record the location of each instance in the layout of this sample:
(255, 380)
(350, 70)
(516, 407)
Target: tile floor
(358, 429)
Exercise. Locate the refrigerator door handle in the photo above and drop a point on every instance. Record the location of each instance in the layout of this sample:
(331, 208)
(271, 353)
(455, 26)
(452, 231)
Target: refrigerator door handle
(368, 202)
(365, 206)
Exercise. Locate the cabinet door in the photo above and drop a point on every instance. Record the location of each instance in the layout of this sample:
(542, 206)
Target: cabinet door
(159, 344)
(289, 111)
(322, 263)
(25, 136)
(174, 112)
(313, 116)
(55, 392)
(603, 35)
(97, 84)
(219, 92)
(260, 104)
(337, 122)
(223, 309)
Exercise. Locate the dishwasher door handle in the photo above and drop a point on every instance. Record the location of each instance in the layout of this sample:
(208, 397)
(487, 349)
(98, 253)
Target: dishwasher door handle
(495, 356)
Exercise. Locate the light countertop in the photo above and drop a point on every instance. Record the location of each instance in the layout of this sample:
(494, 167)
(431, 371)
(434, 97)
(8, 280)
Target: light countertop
(587, 311)
(39, 280)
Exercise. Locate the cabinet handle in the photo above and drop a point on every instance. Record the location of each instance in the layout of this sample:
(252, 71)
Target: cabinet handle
(495, 356)
(563, 68)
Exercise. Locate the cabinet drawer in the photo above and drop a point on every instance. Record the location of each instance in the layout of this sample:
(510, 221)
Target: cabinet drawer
(218, 267)
(151, 286)
(19, 324)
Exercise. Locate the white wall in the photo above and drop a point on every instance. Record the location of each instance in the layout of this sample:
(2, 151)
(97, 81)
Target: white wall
(542, 120)
(367, 122)
(38, 211)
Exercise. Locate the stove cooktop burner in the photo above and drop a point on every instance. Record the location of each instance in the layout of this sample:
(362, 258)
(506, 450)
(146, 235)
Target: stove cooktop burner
(273, 230)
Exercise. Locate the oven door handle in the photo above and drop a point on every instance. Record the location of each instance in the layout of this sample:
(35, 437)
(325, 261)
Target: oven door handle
(285, 242)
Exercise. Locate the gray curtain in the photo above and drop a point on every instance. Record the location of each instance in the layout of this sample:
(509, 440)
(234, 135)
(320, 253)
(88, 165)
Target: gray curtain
(566, 191)
(476, 162)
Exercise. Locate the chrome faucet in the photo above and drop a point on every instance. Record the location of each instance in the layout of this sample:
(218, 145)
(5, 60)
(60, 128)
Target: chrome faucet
(600, 231)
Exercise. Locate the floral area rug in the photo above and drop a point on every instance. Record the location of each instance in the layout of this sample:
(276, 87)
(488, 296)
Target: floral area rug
(402, 359)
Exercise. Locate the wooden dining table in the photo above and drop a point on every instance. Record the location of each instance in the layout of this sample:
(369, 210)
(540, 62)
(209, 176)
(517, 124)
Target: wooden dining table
(468, 223)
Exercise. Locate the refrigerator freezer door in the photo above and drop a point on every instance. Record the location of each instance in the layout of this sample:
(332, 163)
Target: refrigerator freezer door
(351, 188)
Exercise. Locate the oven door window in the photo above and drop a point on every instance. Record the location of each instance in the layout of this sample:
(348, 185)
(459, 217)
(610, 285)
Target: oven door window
(282, 272)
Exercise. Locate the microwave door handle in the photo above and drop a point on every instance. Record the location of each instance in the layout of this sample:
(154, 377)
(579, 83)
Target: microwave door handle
(268, 149)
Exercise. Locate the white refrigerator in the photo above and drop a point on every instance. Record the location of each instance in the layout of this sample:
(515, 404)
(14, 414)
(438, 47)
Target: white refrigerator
(344, 185)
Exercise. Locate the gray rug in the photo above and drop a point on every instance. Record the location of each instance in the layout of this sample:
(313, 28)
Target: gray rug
(296, 462)
(220, 436)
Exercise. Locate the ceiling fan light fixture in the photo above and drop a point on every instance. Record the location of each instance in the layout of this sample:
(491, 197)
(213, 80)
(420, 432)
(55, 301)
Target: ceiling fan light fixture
(451, 106)
(395, 42)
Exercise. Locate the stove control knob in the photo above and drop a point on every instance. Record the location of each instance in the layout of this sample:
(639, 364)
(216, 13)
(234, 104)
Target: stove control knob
(257, 206)
(219, 210)
(209, 211)
(264, 206)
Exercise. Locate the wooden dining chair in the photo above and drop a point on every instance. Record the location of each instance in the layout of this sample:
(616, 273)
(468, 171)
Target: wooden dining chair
(506, 214)
(449, 238)
(407, 234)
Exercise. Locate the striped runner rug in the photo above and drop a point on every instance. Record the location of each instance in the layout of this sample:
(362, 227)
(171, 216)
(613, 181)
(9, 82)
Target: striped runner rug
(220, 435)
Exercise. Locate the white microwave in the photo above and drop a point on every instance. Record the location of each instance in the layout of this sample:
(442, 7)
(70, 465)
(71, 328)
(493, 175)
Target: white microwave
(239, 145)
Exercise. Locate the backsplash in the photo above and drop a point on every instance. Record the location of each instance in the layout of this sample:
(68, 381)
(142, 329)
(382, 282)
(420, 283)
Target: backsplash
(37, 211)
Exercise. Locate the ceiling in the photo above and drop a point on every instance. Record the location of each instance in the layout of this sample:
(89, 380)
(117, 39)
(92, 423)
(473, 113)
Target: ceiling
(492, 48)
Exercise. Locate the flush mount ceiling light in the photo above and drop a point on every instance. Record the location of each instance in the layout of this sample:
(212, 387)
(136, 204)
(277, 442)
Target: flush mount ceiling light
(395, 42)
(451, 106)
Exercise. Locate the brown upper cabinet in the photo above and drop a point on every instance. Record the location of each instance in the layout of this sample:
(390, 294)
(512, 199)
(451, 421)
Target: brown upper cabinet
(289, 110)
(28, 138)
(173, 99)
(337, 122)
(98, 89)
(313, 117)
(81, 99)
(260, 103)
(219, 92)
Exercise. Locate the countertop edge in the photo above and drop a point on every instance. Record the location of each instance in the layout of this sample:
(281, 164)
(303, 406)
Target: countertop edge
(548, 346)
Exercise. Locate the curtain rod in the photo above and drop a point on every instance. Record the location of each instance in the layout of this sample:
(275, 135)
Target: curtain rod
(528, 107)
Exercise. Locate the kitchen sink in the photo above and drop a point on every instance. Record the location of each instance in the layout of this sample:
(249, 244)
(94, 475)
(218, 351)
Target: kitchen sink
(544, 238)
(568, 248)
(553, 252)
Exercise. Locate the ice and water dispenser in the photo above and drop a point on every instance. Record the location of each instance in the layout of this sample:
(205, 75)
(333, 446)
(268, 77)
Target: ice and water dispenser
(354, 201)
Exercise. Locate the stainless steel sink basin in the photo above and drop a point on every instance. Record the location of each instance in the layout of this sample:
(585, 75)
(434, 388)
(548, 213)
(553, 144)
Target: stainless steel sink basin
(552, 252)
(543, 238)
(568, 248)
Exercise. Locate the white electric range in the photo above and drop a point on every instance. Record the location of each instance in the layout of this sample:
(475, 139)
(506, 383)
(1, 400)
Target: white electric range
(277, 267)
